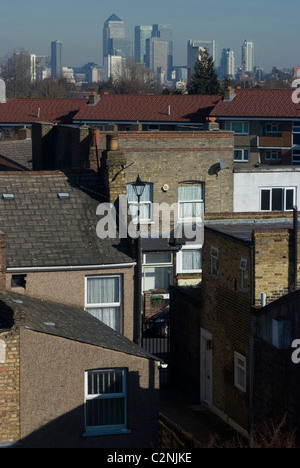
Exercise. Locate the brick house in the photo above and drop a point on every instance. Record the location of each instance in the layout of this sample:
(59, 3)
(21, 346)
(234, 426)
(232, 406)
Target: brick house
(69, 381)
(265, 123)
(243, 262)
(53, 251)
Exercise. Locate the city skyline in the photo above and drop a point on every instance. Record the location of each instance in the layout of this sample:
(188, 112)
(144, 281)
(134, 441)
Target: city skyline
(272, 26)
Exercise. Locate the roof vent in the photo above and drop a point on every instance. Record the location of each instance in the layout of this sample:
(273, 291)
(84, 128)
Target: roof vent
(62, 195)
(8, 196)
(49, 324)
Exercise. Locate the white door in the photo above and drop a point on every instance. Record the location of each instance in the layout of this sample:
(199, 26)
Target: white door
(206, 367)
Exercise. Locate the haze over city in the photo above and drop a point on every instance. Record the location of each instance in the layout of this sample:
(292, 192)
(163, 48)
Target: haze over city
(272, 25)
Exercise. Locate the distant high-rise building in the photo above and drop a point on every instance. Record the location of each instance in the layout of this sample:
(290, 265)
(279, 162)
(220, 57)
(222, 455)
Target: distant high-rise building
(157, 55)
(141, 34)
(248, 56)
(164, 33)
(193, 53)
(113, 29)
(227, 67)
(120, 46)
(56, 58)
(37, 67)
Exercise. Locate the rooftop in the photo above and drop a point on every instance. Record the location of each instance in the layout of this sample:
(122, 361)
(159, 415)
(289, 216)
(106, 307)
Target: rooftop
(258, 103)
(67, 322)
(183, 109)
(44, 229)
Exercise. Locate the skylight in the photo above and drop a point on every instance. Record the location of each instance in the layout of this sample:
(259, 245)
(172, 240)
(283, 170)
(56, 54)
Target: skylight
(8, 196)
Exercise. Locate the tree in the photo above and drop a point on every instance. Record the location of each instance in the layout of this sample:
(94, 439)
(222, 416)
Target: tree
(204, 80)
(16, 74)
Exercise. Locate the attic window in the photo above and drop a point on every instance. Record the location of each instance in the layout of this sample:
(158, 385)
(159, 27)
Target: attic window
(8, 196)
(63, 196)
(18, 281)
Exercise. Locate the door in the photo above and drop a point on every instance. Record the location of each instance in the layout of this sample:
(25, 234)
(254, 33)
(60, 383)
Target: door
(206, 367)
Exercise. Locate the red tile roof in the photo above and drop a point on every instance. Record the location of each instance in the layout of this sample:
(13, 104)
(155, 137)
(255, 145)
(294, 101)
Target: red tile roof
(259, 103)
(28, 110)
(148, 108)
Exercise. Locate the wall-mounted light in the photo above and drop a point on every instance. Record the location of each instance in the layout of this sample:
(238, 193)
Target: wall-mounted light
(165, 188)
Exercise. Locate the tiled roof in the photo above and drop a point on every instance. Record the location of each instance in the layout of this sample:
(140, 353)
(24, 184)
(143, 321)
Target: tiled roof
(43, 230)
(28, 110)
(67, 322)
(148, 108)
(259, 103)
(16, 154)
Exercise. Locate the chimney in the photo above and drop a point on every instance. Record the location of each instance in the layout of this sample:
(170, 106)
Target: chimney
(93, 99)
(211, 125)
(2, 263)
(229, 94)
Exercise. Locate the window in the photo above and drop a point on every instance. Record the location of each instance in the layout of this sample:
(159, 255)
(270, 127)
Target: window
(105, 401)
(18, 281)
(296, 133)
(190, 200)
(241, 127)
(241, 155)
(273, 155)
(145, 202)
(272, 130)
(103, 299)
(240, 371)
(277, 199)
(296, 157)
(244, 274)
(157, 271)
(189, 259)
(214, 262)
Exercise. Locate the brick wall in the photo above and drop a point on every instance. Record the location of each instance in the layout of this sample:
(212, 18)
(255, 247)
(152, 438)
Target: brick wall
(2, 263)
(10, 387)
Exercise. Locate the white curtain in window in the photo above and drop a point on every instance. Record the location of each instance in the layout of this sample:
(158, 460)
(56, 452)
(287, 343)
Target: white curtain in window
(191, 260)
(145, 208)
(103, 290)
(190, 200)
(108, 315)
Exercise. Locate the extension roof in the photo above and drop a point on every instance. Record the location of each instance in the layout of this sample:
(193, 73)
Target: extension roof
(27, 110)
(149, 108)
(67, 322)
(258, 103)
(43, 230)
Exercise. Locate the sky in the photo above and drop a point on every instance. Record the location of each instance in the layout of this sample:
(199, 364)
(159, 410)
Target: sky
(273, 25)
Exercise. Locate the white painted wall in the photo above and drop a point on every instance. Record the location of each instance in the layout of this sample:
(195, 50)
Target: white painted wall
(247, 185)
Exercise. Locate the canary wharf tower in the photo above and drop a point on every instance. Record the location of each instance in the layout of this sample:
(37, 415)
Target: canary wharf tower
(113, 29)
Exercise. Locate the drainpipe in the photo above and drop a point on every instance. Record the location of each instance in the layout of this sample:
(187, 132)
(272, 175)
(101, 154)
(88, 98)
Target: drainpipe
(251, 357)
(295, 247)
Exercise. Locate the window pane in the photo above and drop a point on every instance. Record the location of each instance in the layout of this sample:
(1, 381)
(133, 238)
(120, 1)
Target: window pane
(103, 290)
(190, 210)
(191, 260)
(237, 127)
(105, 382)
(105, 412)
(157, 278)
(163, 257)
(289, 199)
(146, 195)
(111, 316)
(296, 139)
(277, 199)
(190, 192)
(265, 200)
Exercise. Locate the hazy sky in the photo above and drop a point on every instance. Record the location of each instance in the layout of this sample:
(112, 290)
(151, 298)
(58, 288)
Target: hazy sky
(274, 26)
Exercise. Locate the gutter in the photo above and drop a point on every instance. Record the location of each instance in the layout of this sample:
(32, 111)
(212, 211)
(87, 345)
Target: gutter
(69, 267)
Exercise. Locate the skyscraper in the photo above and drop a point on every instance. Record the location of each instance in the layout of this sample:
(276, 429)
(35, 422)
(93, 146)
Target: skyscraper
(113, 29)
(141, 34)
(56, 58)
(164, 33)
(157, 55)
(248, 56)
(227, 67)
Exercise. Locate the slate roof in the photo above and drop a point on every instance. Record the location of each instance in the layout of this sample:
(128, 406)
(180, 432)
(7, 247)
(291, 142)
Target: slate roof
(259, 103)
(28, 110)
(184, 109)
(16, 155)
(44, 231)
(67, 322)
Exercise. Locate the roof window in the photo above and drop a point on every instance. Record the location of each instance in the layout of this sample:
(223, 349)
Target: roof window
(63, 196)
(8, 196)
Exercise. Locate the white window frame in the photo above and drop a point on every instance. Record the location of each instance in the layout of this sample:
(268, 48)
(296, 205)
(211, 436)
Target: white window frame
(229, 125)
(273, 155)
(214, 259)
(155, 265)
(273, 130)
(106, 429)
(244, 274)
(143, 202)
(238, 367)
(200, 201)
(284, 197)
(179, 258)
(244, 153)
(116, 305)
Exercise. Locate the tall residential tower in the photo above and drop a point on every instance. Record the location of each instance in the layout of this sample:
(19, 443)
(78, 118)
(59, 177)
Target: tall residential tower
(56, 58)
(248, 56)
